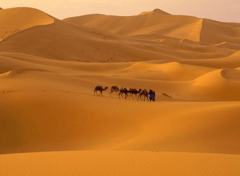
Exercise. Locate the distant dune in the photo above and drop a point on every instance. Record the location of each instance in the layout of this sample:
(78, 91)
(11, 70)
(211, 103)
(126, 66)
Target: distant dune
(52, 123)
(216, 32)
(86, 44)
(155, 11)
(159, 22)
(155, 22)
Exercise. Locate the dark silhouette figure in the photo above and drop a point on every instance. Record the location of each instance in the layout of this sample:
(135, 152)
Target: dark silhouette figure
(133, 92)
(100, 89)
(114, 89)
(151, 95)
(143, 93)
(123, 91)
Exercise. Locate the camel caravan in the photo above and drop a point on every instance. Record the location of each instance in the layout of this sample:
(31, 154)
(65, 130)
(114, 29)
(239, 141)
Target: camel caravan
(125, 93)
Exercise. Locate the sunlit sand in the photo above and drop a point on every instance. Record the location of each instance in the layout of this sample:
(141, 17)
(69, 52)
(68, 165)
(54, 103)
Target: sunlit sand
(51, 123)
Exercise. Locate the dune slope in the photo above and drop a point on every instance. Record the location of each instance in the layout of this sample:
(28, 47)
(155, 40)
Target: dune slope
(159, 23)
(147, 23)
(15, 20)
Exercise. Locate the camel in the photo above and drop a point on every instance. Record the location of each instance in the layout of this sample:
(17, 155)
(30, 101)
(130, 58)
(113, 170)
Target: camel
(123, 91)
(100, 89)
(134, 92)
(143, 93)
(114, 89)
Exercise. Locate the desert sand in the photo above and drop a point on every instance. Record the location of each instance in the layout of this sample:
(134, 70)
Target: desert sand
(52, 124)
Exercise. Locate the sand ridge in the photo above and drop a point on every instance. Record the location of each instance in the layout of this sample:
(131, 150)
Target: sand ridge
(151, 23)
(15, 20)
(155, 11)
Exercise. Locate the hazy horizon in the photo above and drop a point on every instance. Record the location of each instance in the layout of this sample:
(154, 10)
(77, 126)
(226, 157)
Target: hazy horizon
(222, 10)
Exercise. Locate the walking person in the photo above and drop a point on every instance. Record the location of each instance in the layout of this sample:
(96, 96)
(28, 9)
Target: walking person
(152, 95)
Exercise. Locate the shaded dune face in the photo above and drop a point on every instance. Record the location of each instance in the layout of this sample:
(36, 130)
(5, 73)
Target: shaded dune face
(49, 114)
(217, 32)
(149, 23)
(181, 27)
(220, 85)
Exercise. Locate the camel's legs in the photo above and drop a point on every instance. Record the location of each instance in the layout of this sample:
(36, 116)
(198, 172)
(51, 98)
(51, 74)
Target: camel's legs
(135, 96)
(95, 92)
(130, 96)
(116, 93)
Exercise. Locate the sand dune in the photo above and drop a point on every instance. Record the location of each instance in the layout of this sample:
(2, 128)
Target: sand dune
(219, 85)
(172, 71)
(15, 20)
(52, 124)
(216, 32)
(144, 126)
(158, 11)
(42, 124)
(231, 61)
(62, 41)
(148, 23)
(228, 45)
(156, 22)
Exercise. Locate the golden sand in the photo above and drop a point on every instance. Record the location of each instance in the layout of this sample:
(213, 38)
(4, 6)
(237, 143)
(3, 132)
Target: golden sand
(52, 124)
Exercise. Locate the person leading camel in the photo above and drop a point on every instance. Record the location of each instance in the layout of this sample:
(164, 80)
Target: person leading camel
(151, 95)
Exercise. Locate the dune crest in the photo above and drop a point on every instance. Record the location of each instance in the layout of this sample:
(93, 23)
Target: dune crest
(231, 74)
(218, 85)
(172, 71)
(152, 23)
(214, 32)
(15, 20)
(158, 22)
(158, 11)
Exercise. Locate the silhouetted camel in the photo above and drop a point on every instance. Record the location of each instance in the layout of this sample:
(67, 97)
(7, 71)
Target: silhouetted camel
(114, 89)
(133, 92)
(123, 91)
(143, 93)
(100, 89)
